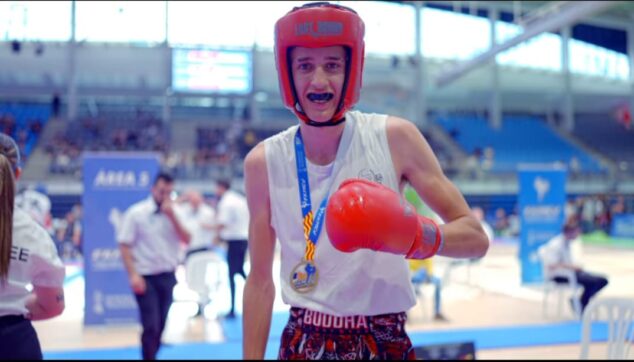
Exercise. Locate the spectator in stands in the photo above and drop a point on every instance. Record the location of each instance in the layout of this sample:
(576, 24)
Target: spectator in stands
(172, 162)
(472, 167)
(249, 140)
(422, 271)
(488, 159)
(69, 235)
(624, 117)
(603, 218)
(556, 255)
(514, 223)
(571, 209)
(395, 61)
(588, 213)
(56, 104)
(7, 125)
(103, 133)
(574, 166)
(454, 133)
(618, 206)
(79, 215)
(35, 127)
(501, 223)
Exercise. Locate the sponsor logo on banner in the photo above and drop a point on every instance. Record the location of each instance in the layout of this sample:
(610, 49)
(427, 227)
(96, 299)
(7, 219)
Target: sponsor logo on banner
(541, 200)
(106, 259)
(623, 226)
(112, 183)
(541, 213)
(97, 303)
(541, 186)
(121, 178)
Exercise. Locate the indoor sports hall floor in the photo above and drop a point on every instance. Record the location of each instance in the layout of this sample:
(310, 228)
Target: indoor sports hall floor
(484, 302)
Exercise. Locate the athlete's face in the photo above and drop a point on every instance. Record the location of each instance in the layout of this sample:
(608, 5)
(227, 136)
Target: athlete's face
(318, 77)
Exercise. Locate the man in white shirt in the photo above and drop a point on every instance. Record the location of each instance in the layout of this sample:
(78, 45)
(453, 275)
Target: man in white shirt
(233, 228)
(198, 218)
(149, 242)
(557, 256)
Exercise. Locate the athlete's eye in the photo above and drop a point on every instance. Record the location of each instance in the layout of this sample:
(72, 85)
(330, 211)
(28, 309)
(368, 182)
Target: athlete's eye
(305, 67)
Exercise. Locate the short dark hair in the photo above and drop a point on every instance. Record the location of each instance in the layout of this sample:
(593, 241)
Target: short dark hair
(224, 183)
(571, 225)
(168, 178)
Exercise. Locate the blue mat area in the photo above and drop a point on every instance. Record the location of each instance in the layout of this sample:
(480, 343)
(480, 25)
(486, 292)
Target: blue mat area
(483, 338)
(513, 336)
(186, 351)
(232, 328)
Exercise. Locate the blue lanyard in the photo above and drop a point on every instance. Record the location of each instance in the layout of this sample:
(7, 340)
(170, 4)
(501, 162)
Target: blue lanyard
(304, 191)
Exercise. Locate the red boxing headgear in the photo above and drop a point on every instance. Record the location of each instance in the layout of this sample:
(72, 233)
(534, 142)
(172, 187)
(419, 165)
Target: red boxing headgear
(317, 25)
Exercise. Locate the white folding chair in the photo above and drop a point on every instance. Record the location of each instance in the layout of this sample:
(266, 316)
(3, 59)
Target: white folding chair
(204, 274)
(618, 313)
(570, 290)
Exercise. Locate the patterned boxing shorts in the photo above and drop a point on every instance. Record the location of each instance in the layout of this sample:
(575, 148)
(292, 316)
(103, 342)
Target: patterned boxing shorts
(311, 335)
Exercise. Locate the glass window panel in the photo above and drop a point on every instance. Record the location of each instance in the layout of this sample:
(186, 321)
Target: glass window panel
(268, 13)
(580, 56)
(121, 21)
(449, 35)
(506, 31)
(214, 23)
(612, 65)
(35, 20)
(583, 58)
(622, 67)
(389, 28)
(540, 52)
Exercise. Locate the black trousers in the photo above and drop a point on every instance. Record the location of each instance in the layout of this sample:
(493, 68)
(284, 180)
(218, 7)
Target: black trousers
(236, 252)
(18, 339)
(592, 284)
(154, 306)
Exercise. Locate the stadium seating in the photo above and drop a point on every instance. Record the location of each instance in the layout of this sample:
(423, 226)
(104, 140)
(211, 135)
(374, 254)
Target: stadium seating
(608, 137)
(518, 140)
(23, 122)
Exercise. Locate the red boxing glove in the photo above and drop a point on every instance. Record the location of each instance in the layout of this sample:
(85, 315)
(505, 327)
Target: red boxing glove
(363, 214)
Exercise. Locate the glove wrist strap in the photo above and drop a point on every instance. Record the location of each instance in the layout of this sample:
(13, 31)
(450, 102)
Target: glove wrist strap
(429, 240)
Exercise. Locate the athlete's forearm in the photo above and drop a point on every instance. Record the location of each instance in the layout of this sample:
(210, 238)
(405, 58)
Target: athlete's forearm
(257, 307)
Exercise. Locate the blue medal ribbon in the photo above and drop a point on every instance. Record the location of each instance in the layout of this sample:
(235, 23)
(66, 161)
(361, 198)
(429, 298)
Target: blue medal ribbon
(304, 192)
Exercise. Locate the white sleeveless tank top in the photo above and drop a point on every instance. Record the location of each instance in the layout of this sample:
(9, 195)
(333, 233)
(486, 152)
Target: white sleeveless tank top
(363, 282)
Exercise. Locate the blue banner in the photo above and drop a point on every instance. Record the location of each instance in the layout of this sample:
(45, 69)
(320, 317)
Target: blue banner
(112, 182)
(622, 226)
(542, 196)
